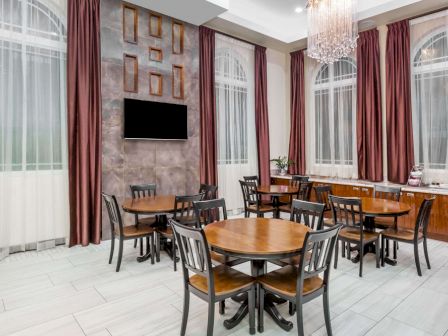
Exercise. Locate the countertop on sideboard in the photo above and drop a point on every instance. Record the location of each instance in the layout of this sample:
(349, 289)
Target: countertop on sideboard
(367, 184)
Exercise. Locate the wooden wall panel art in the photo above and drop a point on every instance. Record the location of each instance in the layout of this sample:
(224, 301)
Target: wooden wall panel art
(155, 25)
(177, 37)
(178, 82)
(130, 73)
(155, 84)
(130, 24)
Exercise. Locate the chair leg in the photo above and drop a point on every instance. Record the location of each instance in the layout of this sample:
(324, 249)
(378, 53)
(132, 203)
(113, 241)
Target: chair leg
(112, 245)
(292, 308)
(377, 252)
(417, 259)
(222, 307)
(383, 248)
(395, 250)
(387, 247)
(343, 250)
(120, 255)
(211, 318)
(336, 254)
(349, 253)
(185, 312)
(141, 246)
(151, 248)
(173, 251)
(425, 248)
(260, 308)
(327, 312)
(361, 258)
(157, 247)
(135, 243)
(299, 315)
(251, 310)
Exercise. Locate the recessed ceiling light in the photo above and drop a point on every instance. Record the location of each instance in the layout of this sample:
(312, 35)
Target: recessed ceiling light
(299, 10)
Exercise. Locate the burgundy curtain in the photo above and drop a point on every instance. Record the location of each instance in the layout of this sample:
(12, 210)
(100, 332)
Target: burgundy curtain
(261, 115)
(208, 159)
(84, 121)
(297, 134)
(400, 143)
(369, 118)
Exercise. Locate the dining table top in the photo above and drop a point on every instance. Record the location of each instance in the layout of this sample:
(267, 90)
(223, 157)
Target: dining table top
(150, 205)
(274, 189)
(257, 238)
(383, 207)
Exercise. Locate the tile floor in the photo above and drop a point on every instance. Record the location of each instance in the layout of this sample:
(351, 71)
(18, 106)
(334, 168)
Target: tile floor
(74, 291)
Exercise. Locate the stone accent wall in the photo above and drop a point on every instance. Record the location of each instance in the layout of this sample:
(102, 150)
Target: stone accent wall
(172, 165)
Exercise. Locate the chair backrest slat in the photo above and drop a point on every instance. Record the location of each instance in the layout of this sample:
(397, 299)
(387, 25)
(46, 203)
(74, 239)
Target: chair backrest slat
(316, 255)
(322, 193)
(253, 178)
(207, 212)
(184, 210)
(304, 191)
(250, 195)
(387, 192)
(308, 213)
(143, 190)
(423, 217)
(114, 213)
(297, 179)
(210, 191)
(348, 212)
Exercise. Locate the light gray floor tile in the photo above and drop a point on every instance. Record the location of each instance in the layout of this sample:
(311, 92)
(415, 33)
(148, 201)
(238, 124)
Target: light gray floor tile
(390, 327)
(66, 326)
(376, 305)
(348, 323)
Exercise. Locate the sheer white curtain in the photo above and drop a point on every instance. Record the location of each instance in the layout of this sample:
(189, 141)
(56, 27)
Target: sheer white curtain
(331, 118)
(235, 109)
(429, 62)
(33, 140)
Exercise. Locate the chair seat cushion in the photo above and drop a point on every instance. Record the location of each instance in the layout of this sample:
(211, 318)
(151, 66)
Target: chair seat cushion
(227, 280)
(385, 222)
(355, 235)
(261, 208)
(400, 234)
(146, 220)
(136, 231)
(284, 281)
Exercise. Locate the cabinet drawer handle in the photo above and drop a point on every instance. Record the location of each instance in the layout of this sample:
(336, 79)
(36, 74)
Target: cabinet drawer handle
(355, 188)
(410, 194)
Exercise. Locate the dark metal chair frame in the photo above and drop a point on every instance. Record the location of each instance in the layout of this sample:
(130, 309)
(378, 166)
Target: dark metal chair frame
(303, 194)
(345, 211)
(320, 246)
(308, 213)
(195, 257)
(421, 226)
(322, 193)
(184, 214)
(252, 197)
(139, 191)
(116, 220)
(253, 178)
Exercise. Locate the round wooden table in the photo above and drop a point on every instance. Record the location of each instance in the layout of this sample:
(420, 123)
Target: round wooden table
(257, 240)
(277, 191)
(153, 205)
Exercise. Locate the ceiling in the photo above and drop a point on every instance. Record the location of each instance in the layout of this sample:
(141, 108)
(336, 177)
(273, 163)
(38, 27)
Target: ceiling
(275, 23)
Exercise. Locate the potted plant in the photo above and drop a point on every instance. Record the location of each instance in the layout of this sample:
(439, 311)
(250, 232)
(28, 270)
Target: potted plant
(282, 163)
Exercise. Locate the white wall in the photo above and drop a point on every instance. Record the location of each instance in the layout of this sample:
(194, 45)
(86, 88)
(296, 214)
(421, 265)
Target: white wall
(278, 69)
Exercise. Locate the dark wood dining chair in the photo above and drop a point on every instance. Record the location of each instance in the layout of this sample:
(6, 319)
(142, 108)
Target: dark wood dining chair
(306, 282)
(139, 191)
(393, 194)
(211, 284)
(322, 193)
(125, 232)
(296, 179)
(253, 178)
(210, 191)
(348, 212)
(416, 236)
(252, 201)
(184, 214)
(303, 194)
(306, 213)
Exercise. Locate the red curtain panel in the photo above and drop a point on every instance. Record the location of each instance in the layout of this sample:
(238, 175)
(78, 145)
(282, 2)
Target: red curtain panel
(369, 117)
(208, 155)
(84, 121)
(297, 149)
(400, 143)
(261, 115)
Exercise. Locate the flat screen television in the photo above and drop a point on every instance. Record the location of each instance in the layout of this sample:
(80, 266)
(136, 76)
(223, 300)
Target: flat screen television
(154, 121)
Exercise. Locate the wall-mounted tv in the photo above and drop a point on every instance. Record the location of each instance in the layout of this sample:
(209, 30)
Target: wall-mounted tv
(154, 121)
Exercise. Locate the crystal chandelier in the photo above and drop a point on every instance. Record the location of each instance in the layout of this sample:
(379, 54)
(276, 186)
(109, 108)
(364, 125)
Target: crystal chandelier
(332, 29)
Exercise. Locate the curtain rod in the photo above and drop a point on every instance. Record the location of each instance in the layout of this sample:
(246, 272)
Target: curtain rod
(428, 13)
(234, 37)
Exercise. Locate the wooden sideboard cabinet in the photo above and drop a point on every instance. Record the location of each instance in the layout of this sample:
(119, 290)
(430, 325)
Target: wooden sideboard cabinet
(438, 226)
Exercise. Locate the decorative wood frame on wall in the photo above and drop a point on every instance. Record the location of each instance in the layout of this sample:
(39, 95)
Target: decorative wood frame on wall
(178, 81)
(177, 37)
(155, 25)
(155, 54)
(130, 73)
(130, 24)
(155, 84)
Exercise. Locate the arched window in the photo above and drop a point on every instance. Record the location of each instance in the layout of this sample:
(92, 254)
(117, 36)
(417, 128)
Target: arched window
(32, 86)
(333, 119)
(429, 60)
